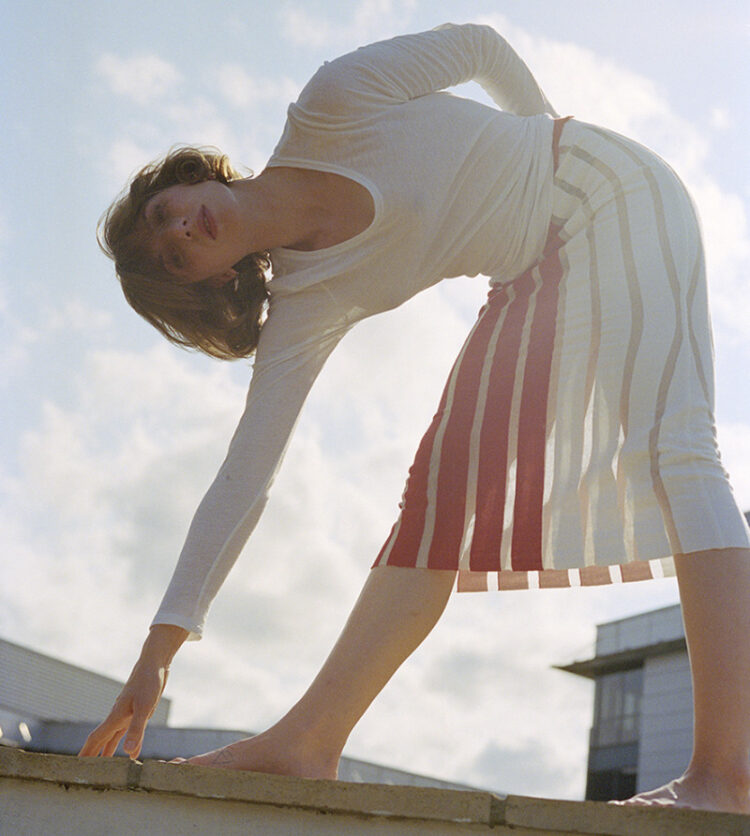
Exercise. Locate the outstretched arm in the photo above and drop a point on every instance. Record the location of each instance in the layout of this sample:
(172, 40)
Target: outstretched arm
(291, 353)
(294, 345)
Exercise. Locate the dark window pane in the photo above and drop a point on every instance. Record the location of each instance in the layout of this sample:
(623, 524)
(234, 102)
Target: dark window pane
(610, 785)
(617, 707)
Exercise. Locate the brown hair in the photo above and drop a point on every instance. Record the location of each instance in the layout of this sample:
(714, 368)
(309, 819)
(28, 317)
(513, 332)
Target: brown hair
(223, 321)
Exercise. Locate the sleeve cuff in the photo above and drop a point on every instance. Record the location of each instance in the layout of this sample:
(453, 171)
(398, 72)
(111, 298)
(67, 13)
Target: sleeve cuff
(195, 630)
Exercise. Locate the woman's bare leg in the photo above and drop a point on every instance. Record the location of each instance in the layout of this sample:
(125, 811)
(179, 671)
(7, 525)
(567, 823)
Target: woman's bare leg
(395, 611)
(715, 594)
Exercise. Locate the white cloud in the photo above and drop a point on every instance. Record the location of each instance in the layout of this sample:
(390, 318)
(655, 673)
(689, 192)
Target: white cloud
(76, 315)
(124, 158)
(141, 78)
(139, 435)
(202, 119)
(243, 90)
(727, 237)
(18, 338)
(40, 329)
(198, 121)
(369, 20)
(720, 119)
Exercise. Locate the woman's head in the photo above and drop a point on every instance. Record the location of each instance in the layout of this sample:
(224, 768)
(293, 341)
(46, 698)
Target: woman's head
(154, 232)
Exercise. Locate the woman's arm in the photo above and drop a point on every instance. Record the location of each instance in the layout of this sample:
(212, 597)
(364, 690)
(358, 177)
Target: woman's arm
(410, 66)
(295, 342)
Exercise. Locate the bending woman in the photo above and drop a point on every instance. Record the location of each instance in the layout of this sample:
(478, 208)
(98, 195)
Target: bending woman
(574, 442)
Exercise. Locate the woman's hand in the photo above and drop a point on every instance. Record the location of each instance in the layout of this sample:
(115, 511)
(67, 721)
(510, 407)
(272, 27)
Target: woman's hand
(140, 696)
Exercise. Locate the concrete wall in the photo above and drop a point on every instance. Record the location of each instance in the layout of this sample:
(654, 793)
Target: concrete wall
(666, 735)
(53, 794)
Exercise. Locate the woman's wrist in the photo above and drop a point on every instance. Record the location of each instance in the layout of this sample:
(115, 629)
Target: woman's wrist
(162, 642)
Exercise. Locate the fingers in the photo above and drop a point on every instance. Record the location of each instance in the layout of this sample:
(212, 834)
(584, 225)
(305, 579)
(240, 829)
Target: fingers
(105, 737)
(133, 743)
(136, 730)
(128, 717)
(109, 748)
(103, 740)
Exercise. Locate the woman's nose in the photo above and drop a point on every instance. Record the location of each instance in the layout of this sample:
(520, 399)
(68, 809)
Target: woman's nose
(179, 228)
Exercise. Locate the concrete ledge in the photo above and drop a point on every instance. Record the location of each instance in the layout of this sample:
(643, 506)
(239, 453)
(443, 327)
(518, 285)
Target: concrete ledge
(83, 796)
(423, 803)
(598, 819)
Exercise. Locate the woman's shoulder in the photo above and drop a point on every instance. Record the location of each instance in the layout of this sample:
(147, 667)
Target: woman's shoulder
(338, 89)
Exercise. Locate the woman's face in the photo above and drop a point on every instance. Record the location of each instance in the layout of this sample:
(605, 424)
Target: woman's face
(194, 232)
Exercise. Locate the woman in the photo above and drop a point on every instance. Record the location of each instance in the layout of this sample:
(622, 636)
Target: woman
(574, 443)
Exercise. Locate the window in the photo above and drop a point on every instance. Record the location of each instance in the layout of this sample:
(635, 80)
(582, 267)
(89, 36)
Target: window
(617, 710)
(613, 755)
(610, 784)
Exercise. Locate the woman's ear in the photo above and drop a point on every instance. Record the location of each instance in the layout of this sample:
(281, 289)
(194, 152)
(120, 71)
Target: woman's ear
(222, 279)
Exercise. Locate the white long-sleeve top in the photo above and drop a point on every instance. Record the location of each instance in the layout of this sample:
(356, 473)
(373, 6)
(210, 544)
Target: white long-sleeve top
(459, 188)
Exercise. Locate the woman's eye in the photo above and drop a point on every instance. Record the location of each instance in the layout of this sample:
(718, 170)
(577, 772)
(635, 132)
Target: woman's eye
(157, 214)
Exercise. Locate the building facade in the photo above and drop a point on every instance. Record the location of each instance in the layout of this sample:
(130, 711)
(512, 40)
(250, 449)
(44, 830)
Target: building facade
(642, 731)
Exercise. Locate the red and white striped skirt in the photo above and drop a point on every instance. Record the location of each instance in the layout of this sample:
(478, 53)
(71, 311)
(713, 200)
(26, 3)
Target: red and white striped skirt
(574, 443)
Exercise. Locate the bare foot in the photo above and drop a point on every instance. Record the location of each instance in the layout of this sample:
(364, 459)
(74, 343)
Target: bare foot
(696, 791)
(266, 752)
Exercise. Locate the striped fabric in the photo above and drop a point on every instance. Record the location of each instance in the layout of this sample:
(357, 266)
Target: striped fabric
(574, 443)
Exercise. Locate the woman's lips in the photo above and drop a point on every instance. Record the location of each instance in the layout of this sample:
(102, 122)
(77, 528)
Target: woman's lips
(208, 223)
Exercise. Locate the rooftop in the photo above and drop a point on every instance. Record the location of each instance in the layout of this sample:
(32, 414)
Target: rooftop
(66, 795)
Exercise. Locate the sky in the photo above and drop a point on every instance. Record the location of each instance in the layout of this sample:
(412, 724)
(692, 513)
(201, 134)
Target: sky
(111, 436)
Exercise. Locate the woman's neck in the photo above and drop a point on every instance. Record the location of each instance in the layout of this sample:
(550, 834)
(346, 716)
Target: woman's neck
(281, 207)
(304, 209)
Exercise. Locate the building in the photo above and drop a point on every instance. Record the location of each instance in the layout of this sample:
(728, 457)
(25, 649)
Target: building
(642, 733)
(38, 692)
(47, 705)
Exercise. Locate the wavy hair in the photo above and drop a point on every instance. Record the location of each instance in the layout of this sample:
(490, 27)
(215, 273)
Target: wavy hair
(223, 322)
